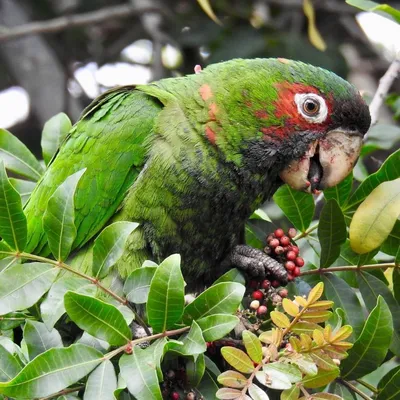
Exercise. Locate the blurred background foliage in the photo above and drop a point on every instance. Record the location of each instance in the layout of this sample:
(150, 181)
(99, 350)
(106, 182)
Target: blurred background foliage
(45, 71)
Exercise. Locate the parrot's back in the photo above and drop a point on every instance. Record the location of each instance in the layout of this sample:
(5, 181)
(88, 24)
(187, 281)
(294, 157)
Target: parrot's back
(110, 141)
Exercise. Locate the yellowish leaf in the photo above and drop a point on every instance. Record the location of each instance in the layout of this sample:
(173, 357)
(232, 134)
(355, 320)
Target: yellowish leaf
(316, 316)
(315, 293)
(289, 307)
(205, 5)
(232, 379)
(313, 33)
(280, 319)
(277, 337)
(328, 333)
(238, 359)
(321, 305)
(227, 394)
(296, 345)
(300, 300)
(253, 346)
(321, 379)
(343, 333)
(305, 327)
(323, 396)
(343, 345)
(291, 394)
(306, 341)
(375, 217)
(318, 337)
(266, 337)
(333, 352)
(322, 360)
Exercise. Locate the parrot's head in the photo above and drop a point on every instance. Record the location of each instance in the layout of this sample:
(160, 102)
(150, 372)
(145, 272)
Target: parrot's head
(303, 122)
(324, 121)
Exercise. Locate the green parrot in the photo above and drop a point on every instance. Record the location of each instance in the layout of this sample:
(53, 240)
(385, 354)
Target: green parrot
(191, 158)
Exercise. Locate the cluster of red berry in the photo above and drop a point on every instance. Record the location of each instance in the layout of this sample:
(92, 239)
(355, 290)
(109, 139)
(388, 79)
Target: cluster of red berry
(280, 247)
(265, 290)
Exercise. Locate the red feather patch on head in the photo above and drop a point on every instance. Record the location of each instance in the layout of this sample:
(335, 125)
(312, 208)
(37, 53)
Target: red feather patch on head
(287, 111)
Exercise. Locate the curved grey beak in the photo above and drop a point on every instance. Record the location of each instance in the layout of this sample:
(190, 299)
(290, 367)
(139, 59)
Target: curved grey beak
(326, 163)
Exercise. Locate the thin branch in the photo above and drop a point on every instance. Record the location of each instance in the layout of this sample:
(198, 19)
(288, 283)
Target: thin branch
(384, 85)
(63, 392)
(74, 20)
(348, 268)
(354, 389)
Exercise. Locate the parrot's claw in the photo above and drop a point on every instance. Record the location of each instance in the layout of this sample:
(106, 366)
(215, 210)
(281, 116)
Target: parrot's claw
(255, 263)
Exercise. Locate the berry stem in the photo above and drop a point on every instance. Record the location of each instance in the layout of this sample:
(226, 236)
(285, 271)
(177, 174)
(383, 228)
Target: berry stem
(306, 232)
(348, 268)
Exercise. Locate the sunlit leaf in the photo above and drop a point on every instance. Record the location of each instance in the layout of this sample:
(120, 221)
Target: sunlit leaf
(232, 379)
(217, 326)
(280, 319)
(257, 393)
(293, 374)
(24, 188)
(238, 359)
(313, 33)
(205, 5)
(375, 217)
(253, 346)
(228, 393)
(191, 343)
(315, 293)
(102, 383)
(137, 286)
(290, 308)
(10, 364)
(321, 379)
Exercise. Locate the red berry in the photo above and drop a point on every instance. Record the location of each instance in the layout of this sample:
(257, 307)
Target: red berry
(296, 271)
(270, 237)
(275, 283)
(175, 396)
(279, 233)
(273, 243)
(291, 255)
(290, 265)
(295, 249)
(299, 261)
(283, 293)
(265, 284)
(290, 277)
(285, 241)
(262, 310)
(279, 250)
(292, 233)
(257, 295)
(253, 284)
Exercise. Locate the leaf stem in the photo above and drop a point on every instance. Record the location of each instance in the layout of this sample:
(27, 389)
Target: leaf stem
(373, 389)
(62, 392)
(306, 232)
(354, 389)
(349, 268)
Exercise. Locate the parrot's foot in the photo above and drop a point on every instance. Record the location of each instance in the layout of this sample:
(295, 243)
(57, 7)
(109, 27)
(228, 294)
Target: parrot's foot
(256, 264)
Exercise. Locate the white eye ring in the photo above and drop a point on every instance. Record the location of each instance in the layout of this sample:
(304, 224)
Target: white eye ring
(321, 111)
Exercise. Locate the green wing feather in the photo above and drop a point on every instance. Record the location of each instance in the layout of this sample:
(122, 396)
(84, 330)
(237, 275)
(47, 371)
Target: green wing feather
(111, 141)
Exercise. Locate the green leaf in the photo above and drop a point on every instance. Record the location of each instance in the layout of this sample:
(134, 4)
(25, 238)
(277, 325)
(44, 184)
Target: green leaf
(384, 9)
(233, 275)
(10, 365)
(13, 228)
(257, 393)
(137, 286)
(298, 206)
(331, 232)
(166, 296)
(291, 394)
(253, 346)
(217, 326)
(238, 359)
(12, 320)
(273, 378)
(52, 308)
(396, 284)
(343, 296)
(372, 345)
(313, 33)
(340, 192)
(261, 215)
(389, 170)
(38, 339)
(100, 319)
(321, 379)
(52, 371)
(54, 132)
(24, 188)
(109, 246)
(101, 383)
(207, 387)
(17, 158)
(389, 385)
(34, 280)
(192, 343)
(139, 371)
(195, 368)
(223, 298)
(59, 217)
(381, 136)
(375, 217)
(371, 288)
(293, 374)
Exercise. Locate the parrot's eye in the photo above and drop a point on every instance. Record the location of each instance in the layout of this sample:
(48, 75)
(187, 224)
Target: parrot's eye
(311, 106)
